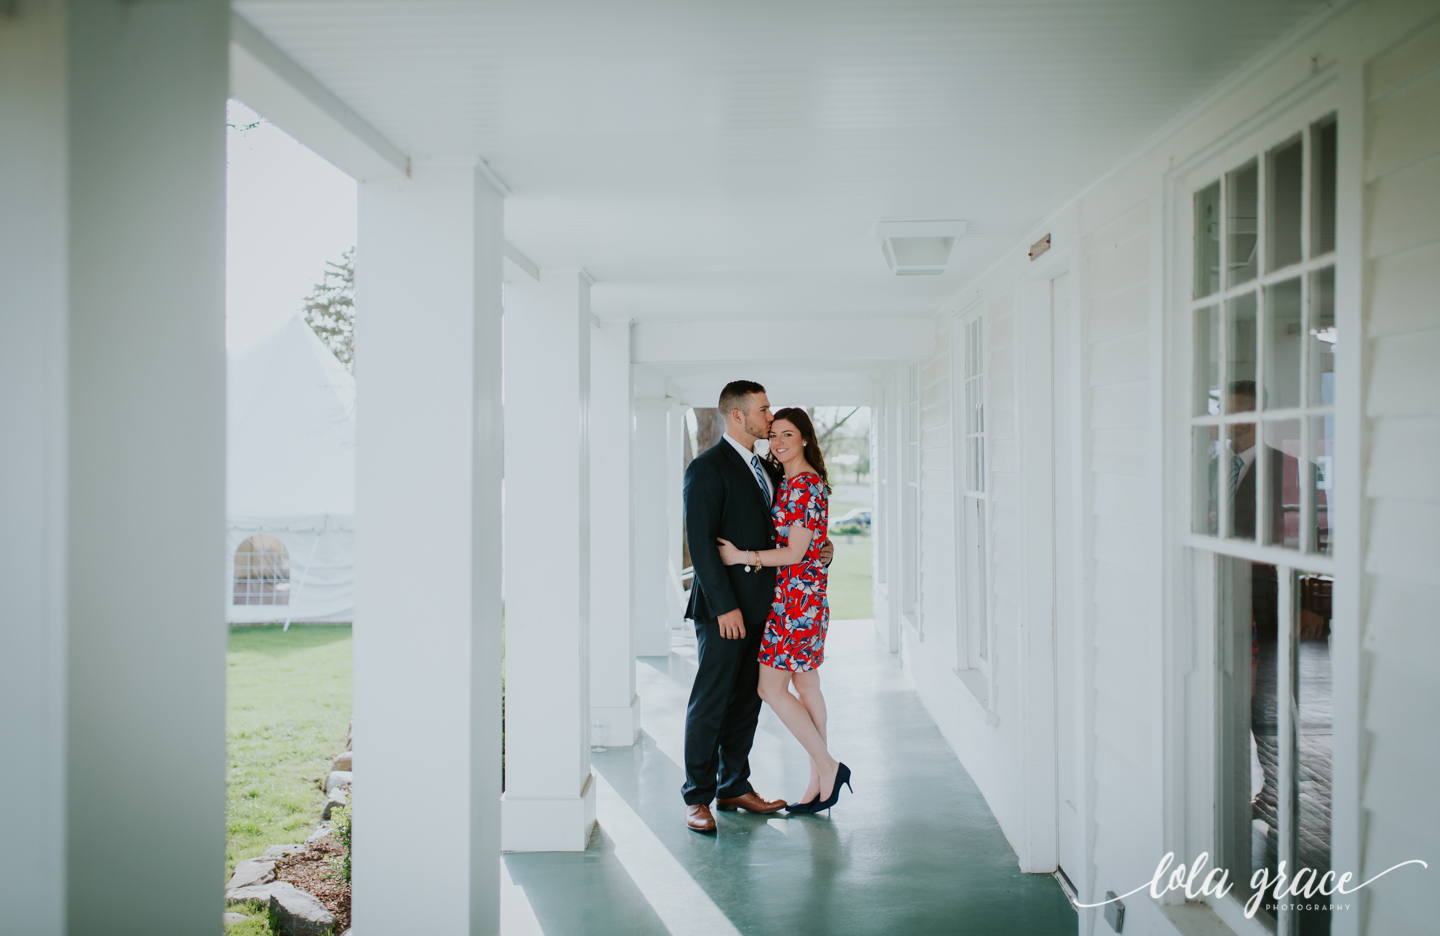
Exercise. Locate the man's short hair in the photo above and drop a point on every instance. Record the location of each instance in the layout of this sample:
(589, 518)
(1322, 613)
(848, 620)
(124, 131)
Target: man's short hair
(1243, 388)
(736, 395)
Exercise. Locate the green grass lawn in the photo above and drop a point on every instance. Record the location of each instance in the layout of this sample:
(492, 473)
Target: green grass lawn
(287, 708)
(849, 585)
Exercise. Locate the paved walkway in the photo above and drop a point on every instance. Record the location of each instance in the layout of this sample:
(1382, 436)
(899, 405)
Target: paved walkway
(914, 851)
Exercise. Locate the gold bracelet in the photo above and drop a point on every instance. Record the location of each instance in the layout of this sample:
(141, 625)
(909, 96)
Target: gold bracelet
(757, 560)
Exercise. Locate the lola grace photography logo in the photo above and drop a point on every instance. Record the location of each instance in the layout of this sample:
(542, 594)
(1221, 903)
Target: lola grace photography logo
(1304, 886)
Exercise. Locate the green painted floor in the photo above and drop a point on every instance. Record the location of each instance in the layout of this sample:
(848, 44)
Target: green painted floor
(914, 851)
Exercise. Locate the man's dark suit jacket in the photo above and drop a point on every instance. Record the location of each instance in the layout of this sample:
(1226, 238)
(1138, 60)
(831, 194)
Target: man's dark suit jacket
(1242, 504)
(722, 498)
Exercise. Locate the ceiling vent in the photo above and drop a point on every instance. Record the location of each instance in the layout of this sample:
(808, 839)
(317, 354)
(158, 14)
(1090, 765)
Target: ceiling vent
(919, 248)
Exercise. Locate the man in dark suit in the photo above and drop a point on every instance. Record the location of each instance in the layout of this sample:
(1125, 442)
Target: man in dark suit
(729, 490)
(1244, 450)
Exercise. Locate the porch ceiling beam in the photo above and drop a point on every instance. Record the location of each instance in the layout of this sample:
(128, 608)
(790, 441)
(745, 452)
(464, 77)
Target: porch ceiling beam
(817, 340)
(272, 83)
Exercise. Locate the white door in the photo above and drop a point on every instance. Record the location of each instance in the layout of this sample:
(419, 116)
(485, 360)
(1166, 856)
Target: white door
(1069, 652)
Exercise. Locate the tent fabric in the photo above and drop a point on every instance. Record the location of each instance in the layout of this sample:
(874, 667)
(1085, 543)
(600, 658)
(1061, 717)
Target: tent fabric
(290, 471)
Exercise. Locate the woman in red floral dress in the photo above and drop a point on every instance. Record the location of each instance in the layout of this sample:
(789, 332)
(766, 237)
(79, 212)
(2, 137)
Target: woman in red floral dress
(794, 643)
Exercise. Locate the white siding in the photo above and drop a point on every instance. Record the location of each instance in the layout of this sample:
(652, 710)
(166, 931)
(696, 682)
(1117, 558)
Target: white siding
(1110, 240)
(1003, 480)
(1115, 253)
(937, 523)
(1402, 561)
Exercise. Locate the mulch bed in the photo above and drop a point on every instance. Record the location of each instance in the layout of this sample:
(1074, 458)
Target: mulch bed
(310, 871)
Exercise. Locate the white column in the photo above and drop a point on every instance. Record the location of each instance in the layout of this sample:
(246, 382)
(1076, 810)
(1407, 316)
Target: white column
(427, 605)
(549, 801)
(614, 705)
(651, 500)
(33, 245)
(887, 517)
(112, 465)
(675, 514)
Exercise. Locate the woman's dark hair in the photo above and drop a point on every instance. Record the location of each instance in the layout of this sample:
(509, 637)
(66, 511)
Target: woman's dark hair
(800, 419)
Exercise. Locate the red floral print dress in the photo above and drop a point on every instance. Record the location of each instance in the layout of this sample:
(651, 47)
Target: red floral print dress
(795, 630)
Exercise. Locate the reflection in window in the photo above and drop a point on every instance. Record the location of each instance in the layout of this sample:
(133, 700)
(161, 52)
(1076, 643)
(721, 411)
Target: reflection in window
(1241, 464)
(1284, 345)
(1207, 240)
(1206, 454)
(1322, 477)
(1322, 337)
(1240, 338)
(1242, 218)
(1282, 463)
(1274, 767)
(1249, 755)
(1263, 354)
(1283, 198)
(1322, 188)
(1314, 734)
(1263, 463)
(1207, 361)
(262, 572)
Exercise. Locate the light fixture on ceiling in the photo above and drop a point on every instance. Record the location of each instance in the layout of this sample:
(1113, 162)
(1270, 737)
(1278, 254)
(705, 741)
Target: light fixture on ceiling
(919, 248)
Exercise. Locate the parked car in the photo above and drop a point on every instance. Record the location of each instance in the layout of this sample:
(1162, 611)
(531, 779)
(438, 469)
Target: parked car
(860, 517)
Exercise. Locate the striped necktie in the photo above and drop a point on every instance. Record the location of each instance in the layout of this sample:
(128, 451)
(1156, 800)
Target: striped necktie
(760, 476)
(1237, 465)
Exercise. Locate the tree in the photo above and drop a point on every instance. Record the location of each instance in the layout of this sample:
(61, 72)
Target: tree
(828, 423)
(709, 427)
(330, 308)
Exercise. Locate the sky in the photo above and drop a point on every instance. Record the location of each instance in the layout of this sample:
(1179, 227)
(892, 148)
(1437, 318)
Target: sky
(289, 211)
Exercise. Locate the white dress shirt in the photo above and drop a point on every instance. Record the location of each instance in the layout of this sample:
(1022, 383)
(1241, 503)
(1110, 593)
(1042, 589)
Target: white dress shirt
(746, 455)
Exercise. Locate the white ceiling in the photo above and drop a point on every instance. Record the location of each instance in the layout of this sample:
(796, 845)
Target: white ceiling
(729, 160)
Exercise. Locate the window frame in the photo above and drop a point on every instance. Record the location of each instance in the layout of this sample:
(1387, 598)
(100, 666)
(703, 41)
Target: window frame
(1189, 579)
(910, 500)
(1258, 286)
(971, 465)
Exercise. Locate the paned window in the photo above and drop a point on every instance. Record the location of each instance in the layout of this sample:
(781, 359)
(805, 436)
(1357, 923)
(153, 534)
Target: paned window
(1263, 322)
(880, 457)
(968, 380)
(1262, 420)
(262, 572)
(910, 492)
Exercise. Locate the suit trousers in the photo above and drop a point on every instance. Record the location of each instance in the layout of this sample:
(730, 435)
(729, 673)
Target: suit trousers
(723, 712)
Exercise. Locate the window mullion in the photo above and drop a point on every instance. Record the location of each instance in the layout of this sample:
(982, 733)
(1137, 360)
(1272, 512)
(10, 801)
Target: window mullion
(1262, 194)
(1262, 478)
(1287, 716)
(1222, 467)
(1302, 460)
(1262, 346)
(1306, 156)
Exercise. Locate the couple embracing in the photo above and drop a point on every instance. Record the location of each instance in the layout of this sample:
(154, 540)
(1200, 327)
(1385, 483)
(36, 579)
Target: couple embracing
(756, 530)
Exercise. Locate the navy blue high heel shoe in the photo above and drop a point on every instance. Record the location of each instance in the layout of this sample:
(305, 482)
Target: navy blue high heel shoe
(806, 806)
(842, 776)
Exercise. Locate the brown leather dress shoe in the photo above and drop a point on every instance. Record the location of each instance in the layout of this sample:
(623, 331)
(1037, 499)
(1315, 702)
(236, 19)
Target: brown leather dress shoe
(751, 802)
(699, 819)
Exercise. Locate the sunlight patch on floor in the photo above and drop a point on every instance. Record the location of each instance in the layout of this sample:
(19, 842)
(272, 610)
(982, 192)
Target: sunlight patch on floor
(680, 903)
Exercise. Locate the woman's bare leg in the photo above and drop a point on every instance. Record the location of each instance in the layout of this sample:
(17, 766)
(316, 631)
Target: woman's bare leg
(807, 684)
(775, 690)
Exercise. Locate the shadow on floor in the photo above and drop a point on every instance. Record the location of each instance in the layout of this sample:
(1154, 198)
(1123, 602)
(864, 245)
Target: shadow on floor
(915, 850)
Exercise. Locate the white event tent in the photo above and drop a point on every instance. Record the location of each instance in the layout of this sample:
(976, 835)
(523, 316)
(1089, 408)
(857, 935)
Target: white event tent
(290, 477)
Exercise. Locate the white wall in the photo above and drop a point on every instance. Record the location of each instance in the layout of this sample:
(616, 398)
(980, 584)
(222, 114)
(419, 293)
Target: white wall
(1401, 622)
(1383, 69)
